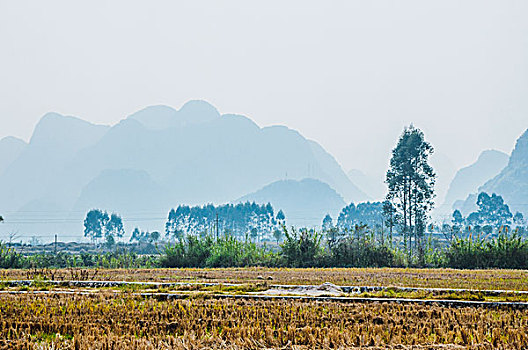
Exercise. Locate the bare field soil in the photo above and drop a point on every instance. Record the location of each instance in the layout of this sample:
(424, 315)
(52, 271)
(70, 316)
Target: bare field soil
(424, 278)
(110, 321)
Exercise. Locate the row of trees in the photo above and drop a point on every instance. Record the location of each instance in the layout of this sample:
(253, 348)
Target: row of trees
(241, 219)
(98, 225)
(492, 211)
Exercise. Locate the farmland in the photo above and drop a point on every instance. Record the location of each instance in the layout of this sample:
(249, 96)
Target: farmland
(104, 321)
(425, 278)
(208, 308)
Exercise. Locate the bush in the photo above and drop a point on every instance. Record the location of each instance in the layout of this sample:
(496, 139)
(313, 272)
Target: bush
(205, 251)
(302, 248)
(9, 259)
(501, 252)
(350, 252)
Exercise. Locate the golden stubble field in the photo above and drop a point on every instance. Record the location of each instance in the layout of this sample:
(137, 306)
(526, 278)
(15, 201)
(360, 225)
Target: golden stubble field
(427, 278)
(121, 319)
(104, 321)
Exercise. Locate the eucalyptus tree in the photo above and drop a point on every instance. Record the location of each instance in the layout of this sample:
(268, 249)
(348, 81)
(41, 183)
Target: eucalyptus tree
(98, 224)
(410, 180)
(328, 223)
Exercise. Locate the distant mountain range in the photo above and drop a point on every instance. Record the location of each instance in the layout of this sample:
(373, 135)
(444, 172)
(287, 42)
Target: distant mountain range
(512, 182)
(10, 149)
(468, 179)
(160, 157)
(372, 187)
(148, 163)
(304, 202)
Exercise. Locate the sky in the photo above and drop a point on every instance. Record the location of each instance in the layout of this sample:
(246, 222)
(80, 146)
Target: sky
(347, 74)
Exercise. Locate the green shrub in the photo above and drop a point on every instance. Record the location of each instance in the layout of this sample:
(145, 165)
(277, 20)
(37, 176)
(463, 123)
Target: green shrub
(302, 248)
(502, 252)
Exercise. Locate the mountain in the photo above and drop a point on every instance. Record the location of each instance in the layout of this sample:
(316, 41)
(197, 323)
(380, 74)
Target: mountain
(468, 179)
(512, 182)
(305, 203)
(445, 171)
(163, 117)
(10, 149)
(37, 173)
(373, 188)
(153, 160)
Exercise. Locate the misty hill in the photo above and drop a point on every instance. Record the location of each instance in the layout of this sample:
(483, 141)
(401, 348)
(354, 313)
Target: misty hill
(445, 171)
(512, 182)
(372, 187)
(304, 202)
(467, 180)
(10, 149)
(157, 158)
(38, 173)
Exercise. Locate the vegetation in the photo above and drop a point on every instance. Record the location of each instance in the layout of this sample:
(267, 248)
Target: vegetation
(98, 224)
(361, 246)
(9, 258)
(205, 251)
(125, 322)
(393, 233)
(237, 219)
(501, 252)
(410, 181)
(492, 212)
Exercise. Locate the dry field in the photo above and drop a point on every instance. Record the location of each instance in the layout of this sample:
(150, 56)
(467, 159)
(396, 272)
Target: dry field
(120, 318)
(108, 321)
(428, 278)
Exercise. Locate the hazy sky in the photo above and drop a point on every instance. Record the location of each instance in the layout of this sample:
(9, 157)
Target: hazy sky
(348, 74)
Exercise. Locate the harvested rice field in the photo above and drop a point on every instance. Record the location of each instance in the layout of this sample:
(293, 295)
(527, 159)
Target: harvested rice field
(104, 321)
(257, 308)
(425, 278)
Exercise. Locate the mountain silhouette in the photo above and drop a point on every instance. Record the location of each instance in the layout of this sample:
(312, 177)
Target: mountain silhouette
(468, 179)
(155, 159)
(305, 202)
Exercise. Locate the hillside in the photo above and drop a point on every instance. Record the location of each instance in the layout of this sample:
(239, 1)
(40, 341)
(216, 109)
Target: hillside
(304, 202)
(468, 179)
(512, 182)
(374, 188)
(10, 149)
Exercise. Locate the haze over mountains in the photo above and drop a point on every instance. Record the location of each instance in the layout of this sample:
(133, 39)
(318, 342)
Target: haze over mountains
(150, 162)
(304, 202)
(468, 179)
(160, 157)
(10, 149)
(512, 181)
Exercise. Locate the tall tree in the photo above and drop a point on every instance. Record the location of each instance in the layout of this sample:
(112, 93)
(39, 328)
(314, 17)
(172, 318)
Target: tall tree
(95, 224)
(114, 227)
(328, 223)
(391, 218)
(98, 224)
(458, 219)
(410, 180)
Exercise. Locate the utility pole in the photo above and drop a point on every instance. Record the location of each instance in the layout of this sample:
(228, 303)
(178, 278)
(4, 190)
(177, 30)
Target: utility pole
(55, 252)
